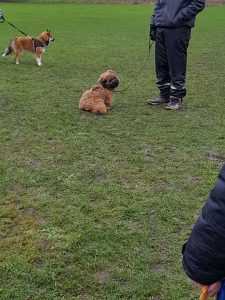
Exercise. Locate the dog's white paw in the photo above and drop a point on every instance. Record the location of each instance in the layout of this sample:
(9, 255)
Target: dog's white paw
(38, 62)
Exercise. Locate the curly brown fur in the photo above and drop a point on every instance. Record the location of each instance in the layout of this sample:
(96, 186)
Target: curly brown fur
(99, 99)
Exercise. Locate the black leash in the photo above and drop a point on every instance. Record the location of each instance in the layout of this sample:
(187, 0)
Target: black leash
(2, 20)
(15, 27)
(137, 76)
(141, 69)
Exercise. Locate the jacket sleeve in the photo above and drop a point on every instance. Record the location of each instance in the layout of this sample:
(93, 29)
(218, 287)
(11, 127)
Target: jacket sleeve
(203, 254)
(190, 11)
(152, 20)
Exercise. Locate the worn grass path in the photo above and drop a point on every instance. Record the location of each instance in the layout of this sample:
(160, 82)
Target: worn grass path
(98, 207)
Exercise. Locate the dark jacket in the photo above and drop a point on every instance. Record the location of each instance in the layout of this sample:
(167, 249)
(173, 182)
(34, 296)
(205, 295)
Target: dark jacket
(176, 13)
(204, 252)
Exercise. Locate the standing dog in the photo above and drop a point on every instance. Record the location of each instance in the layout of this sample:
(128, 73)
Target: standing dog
(35, 45)
(99, 98)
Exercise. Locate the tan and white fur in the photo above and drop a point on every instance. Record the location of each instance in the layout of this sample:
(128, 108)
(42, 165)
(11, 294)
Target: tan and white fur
(35, 45)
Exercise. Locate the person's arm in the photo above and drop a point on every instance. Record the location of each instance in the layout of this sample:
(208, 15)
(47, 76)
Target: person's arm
(152, 29)
(203, 254)
(186, 14)
(152, 20)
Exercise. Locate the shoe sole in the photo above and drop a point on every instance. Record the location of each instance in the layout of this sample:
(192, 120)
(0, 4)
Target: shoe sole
(154, 104)
(170, 108)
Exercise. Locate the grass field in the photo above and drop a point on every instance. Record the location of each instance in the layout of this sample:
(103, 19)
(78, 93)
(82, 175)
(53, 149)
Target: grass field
(94, 207)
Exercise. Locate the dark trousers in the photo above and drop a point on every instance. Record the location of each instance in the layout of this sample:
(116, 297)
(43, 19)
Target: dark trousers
(171, 60)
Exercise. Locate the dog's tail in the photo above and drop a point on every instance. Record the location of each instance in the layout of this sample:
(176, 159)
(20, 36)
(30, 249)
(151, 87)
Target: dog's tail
(9, 49)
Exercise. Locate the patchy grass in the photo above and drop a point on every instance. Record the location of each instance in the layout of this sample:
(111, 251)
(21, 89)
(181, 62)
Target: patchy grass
(209, 2)
(98, 207)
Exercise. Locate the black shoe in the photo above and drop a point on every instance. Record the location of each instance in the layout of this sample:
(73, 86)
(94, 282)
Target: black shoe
(159, 100)
(175, 103)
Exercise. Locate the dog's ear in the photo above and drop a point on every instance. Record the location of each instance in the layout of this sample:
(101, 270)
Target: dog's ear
(101, 80)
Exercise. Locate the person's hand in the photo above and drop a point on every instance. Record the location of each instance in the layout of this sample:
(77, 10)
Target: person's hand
(2, 19)
(152, 33)
(213, 288)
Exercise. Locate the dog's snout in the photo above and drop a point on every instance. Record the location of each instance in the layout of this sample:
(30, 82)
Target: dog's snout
(115, 82)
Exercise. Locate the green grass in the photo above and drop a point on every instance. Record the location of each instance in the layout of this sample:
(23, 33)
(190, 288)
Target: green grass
(99, 207)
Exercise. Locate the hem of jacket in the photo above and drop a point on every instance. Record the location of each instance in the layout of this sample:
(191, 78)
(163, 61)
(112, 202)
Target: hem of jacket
(173, 27)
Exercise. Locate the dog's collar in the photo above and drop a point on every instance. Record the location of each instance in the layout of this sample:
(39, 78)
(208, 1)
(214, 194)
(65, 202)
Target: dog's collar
(108, 89)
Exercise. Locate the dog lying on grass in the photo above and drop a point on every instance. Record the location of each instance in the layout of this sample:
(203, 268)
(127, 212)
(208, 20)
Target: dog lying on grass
(35, 45)
(99, 99)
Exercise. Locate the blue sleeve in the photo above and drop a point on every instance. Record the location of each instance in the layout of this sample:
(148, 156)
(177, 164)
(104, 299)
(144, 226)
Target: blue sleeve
(203, 254)
(152, 20)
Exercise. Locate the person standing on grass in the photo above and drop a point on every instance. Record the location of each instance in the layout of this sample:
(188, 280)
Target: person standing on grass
(170, 28)
(204, 252)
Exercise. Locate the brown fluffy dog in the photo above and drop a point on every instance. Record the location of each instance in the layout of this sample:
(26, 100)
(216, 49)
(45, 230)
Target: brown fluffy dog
(99, 98)
(35, 45)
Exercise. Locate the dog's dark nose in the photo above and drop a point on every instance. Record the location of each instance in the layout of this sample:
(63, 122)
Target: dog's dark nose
(115, 82)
